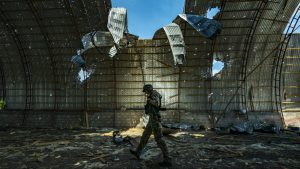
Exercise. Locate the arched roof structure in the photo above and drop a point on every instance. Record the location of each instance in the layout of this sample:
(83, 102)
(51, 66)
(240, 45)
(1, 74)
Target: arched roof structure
(39, 37)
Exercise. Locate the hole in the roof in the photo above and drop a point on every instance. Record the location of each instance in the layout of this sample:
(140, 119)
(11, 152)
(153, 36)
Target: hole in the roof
(212, 12)
(218, 65)
(293, 22)
(147, 16)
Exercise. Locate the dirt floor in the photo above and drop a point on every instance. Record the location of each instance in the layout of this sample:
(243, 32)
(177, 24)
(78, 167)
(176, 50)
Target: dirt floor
(94, 148)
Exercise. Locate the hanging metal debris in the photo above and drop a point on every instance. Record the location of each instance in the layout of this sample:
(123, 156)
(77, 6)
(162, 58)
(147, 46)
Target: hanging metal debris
(78, 60)
(117, 25)
(96, 39)
(85, 73)
(208, 28)
(176, 41)
(113, 51)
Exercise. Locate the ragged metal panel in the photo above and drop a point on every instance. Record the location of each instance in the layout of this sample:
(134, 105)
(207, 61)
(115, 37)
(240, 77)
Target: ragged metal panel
(208, 28)
(176, 41)
(117, 25)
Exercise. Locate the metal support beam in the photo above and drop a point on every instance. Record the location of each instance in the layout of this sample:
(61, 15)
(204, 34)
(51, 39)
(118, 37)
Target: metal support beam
(23, 58)
(139, 54)
(71, 12)
(47, 41)
(261, 6)
(3, 80)
(115, 102)
(44, 33)
(279, 62)
(210, 89)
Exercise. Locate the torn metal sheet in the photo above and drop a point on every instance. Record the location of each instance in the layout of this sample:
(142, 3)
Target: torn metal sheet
(117, 25)
(208, 28)
(78, 60)
(105, 39)
(113, 51)
(85, 73)
(176, 41)
(97, 39)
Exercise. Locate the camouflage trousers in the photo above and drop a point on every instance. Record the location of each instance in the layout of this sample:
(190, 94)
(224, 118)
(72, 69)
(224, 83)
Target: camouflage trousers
(154, 126)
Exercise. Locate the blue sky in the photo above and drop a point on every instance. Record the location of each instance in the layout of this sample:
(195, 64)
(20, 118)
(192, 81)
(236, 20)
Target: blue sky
(147, 16)
(298, 24)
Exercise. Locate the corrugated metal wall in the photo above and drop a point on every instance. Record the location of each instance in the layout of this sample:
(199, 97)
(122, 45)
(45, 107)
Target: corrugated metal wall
(38, 73)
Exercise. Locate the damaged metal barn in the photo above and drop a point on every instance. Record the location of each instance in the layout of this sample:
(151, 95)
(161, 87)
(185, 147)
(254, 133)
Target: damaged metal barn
(73, 76)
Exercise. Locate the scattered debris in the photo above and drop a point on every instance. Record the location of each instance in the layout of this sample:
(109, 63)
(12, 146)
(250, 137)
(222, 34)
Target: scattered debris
(117, 138)
(78, 60)
(245, 127)
(94, 165)
(184, 126)
(222, 130)
(189, 149)
(263, 126)
(249, 127)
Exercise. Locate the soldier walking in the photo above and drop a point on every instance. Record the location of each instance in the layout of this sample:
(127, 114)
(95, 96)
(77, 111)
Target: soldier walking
(154, 125)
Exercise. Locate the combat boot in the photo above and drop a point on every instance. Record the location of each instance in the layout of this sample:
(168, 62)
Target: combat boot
(166, 163)
(135, 153)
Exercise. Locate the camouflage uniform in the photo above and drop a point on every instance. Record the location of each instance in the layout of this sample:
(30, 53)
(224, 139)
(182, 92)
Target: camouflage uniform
(154, 125)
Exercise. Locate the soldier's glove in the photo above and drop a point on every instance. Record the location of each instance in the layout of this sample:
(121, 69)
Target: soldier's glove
(159, 116)
(148, 100)
(147, 108)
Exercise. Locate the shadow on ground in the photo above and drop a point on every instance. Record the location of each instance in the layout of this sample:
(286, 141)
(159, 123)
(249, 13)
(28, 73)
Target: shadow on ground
(50, 148)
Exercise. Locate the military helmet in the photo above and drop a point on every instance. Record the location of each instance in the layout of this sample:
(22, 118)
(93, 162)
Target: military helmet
(147, 87)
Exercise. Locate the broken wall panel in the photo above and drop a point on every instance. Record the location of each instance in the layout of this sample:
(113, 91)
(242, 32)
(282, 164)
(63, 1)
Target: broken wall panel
(256, 42)
(176, 41)
(208, 28)
(265, 96)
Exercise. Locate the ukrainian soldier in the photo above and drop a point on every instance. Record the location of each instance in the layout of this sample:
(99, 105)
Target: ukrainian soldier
(154, 125)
